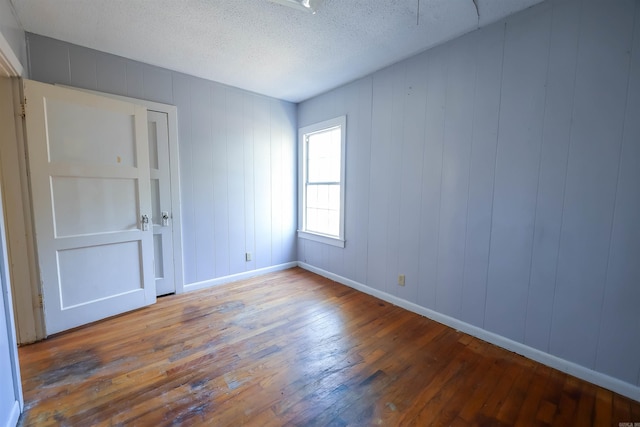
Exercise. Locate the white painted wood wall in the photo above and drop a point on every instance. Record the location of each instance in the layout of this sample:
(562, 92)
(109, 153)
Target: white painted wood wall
(500, 172)
(237, 156)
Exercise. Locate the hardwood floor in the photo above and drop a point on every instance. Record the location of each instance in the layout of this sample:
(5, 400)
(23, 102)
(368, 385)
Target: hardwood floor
(293, 348)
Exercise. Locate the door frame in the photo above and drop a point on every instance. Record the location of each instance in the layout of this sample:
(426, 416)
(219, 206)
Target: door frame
(29, 326)
(174, 172)
(29, 312)
(19, 226)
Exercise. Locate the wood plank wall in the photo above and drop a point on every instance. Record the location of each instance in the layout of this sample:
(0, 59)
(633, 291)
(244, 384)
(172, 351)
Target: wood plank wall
(500, 172)
(237, 156)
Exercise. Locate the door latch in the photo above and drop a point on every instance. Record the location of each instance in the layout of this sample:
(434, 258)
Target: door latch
(145, 222)
(165, 218)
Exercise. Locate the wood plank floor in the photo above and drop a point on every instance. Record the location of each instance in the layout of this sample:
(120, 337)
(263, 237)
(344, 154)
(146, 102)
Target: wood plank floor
(293, 348)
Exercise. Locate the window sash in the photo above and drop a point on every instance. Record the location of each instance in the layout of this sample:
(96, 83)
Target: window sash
(322, 209)
(327, 156)
(320, 185)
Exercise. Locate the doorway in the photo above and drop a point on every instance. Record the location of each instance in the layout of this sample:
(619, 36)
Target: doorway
(91, 202)
(164, 218)
(165, 191)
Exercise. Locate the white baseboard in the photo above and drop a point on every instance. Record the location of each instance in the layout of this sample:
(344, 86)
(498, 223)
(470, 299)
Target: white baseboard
(239, 276)
(626, 389)
(13, 415)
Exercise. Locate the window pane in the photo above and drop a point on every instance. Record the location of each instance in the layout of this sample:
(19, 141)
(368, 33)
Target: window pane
(334, 198)
(333, 227)
(323, 221)
(323, 151)
(317, 220)
(323, 196)
(312, 196)
(321, 207)
(312, 219)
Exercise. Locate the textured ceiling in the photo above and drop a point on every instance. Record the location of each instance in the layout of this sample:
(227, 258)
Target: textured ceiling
(259, 45)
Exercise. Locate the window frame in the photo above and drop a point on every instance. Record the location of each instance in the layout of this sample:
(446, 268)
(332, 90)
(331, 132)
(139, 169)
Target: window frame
(303, 134)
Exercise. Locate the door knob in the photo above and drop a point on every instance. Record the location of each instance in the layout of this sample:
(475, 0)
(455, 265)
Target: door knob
(145, 222)
(165, 218)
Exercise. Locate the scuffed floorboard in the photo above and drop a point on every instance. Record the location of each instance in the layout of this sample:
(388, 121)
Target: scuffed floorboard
(293, 348)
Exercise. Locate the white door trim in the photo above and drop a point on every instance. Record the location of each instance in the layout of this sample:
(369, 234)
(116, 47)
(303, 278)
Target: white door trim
(10, 65)
(29, 326)
(174, 166)
(17, 216)
(160, 173)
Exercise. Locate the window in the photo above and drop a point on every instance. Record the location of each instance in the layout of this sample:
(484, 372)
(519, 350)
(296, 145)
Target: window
(321, 182)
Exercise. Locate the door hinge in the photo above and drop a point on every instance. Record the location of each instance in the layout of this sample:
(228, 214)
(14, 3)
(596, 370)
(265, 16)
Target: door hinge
(23, 109)
(40, 301)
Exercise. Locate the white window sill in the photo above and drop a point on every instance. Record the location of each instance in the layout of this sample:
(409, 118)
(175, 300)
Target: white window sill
(334, 241)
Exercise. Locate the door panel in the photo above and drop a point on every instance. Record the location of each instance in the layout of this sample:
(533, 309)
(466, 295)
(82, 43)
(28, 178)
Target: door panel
(96, 136)
(94, 264)
(89, 163)
(158, 123)
(78, 206)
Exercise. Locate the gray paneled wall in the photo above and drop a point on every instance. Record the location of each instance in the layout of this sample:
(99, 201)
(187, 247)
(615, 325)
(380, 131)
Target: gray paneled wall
(237, 156)
(500, 173)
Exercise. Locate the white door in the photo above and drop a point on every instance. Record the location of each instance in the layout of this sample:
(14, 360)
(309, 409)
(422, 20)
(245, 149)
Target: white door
(89, 176)
(161, 201)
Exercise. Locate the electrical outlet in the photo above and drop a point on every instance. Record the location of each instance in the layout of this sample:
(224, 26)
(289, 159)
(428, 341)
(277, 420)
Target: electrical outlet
(247, 256)
(401, 279)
